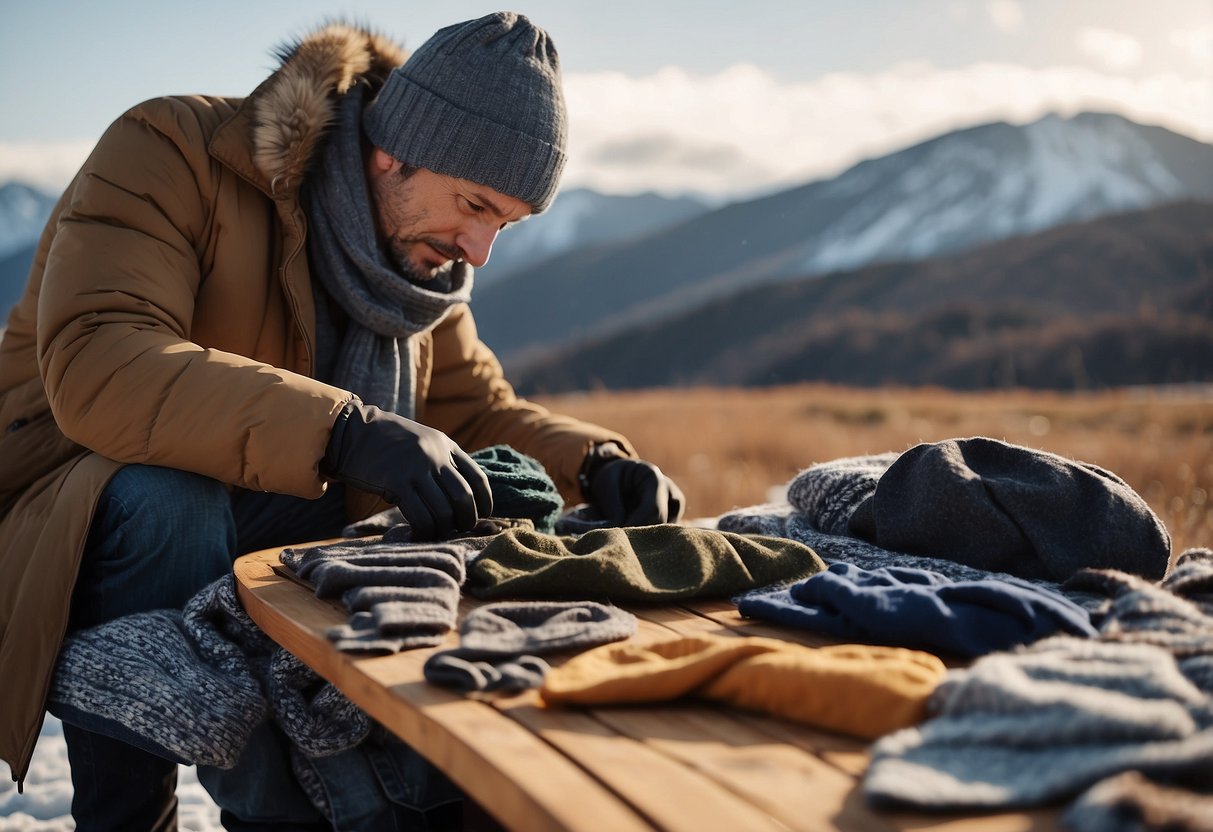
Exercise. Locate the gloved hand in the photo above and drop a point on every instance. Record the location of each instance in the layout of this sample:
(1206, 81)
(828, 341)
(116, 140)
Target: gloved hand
(438, 487)
(631, 492)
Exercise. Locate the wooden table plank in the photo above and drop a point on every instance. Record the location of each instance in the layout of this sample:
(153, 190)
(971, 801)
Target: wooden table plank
(673, 795)
(515, 775)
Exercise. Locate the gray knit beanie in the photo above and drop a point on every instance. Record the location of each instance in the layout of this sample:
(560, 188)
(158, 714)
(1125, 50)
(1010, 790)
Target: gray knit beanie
(479, 100)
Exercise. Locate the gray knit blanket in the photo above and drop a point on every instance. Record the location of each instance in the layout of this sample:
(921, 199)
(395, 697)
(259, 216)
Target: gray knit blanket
(191, 685)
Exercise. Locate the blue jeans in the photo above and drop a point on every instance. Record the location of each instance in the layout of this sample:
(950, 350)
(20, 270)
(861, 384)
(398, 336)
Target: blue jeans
(159, 536)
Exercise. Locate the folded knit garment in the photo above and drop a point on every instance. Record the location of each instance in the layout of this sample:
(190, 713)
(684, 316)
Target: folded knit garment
(1044, 723)
(191, 686)
(400, 595)
(921, 609)
(979, 502)
(500, 643)
(855, 689)
(645, 563)
(1130, 802)
(1004, 507)
(783, 520)
(1176, 614)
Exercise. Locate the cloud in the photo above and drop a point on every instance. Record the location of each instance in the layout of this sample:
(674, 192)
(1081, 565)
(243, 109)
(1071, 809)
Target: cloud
(1007, 15)
(742, 131)
(47, 165)
(1197, 44)
(1114, 50)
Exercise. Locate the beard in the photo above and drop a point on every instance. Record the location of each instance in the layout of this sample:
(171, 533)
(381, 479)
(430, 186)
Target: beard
(397, 254)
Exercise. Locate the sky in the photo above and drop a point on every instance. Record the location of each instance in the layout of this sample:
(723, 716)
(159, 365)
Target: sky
(722, 99)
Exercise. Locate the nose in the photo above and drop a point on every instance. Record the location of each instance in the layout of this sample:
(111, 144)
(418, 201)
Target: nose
(477, 243)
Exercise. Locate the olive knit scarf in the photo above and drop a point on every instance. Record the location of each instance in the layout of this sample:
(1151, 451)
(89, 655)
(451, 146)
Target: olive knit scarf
(373, 358)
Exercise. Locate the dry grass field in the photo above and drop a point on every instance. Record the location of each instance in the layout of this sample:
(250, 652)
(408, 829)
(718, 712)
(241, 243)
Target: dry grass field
(729, 447)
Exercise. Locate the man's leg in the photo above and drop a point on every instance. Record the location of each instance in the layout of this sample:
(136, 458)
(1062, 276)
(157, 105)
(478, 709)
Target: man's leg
(158, 537)
(261, 792)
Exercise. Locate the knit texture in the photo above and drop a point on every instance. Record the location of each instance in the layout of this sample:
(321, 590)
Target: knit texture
(783, 520)
(646, 563)
(1050, 720)
(479, 100)
(500, 644)
(1130, 802)
(192, 685)
(855, 689)
(521, 487)
(1003, 507)
(400, 596)
(980, 503)
(921, 609)
(374, 357)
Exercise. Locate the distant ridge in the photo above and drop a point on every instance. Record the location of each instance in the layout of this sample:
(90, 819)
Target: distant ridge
(941, 196)
(1125, 299)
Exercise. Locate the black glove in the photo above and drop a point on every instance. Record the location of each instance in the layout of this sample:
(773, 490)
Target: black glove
(631, 492)
(437, 486)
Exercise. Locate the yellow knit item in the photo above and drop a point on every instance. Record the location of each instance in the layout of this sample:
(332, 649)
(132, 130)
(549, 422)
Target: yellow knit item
(857, 689)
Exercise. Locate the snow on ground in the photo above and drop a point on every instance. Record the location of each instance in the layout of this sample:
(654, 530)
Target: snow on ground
(47, 802)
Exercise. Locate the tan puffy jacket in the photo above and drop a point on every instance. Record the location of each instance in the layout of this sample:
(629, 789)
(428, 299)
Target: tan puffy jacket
(168, 320)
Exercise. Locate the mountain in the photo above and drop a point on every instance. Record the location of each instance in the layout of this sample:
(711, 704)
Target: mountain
(24, 210)
(944, 195)
(1125, 299)
(14, 270)
(581, 217)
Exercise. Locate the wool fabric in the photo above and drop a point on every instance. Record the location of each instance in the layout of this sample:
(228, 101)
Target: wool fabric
(1130, 802)
(400, 596)
(479, 100)
(191, 686)
(1044, 723)
(1012, 509)
(921, 609)
(374, 356)
(500, 643)
(855, 689)
(783, 520)
(645, 563)
(522, 491)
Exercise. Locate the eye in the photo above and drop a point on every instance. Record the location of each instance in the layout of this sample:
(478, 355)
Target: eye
(472, 207)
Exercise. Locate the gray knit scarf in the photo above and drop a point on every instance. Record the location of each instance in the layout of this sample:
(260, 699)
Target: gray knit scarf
(374, 358)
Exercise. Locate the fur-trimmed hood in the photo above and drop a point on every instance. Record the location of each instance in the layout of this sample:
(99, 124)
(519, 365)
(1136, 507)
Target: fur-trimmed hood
(291, 110)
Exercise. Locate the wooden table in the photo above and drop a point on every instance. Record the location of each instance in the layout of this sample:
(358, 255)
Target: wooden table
(686, 766)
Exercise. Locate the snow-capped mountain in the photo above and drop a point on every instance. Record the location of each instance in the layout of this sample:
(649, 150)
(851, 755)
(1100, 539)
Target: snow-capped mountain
(942, 196)
(582, 217)
(994, 182)
(23, 212)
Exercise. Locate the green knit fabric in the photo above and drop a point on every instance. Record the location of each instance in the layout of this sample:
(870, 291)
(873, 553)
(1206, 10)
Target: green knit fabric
(521, 487)
(644, 563)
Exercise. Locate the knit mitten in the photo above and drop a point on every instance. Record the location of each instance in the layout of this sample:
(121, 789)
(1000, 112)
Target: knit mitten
(500, 643)
(855, 689)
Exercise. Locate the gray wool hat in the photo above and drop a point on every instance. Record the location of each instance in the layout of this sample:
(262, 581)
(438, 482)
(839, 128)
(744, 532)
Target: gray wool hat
(479, 100)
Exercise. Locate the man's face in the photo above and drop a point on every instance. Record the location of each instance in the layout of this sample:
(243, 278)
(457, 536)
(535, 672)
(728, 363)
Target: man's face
(425, 220)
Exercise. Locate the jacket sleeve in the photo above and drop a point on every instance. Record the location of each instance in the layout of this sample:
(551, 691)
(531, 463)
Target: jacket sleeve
(471, 401)
(114, 318)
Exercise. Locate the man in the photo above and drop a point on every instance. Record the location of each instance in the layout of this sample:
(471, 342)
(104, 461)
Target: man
(247, 323)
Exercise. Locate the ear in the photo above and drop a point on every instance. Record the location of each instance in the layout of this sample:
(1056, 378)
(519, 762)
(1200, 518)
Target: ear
(379, 163)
